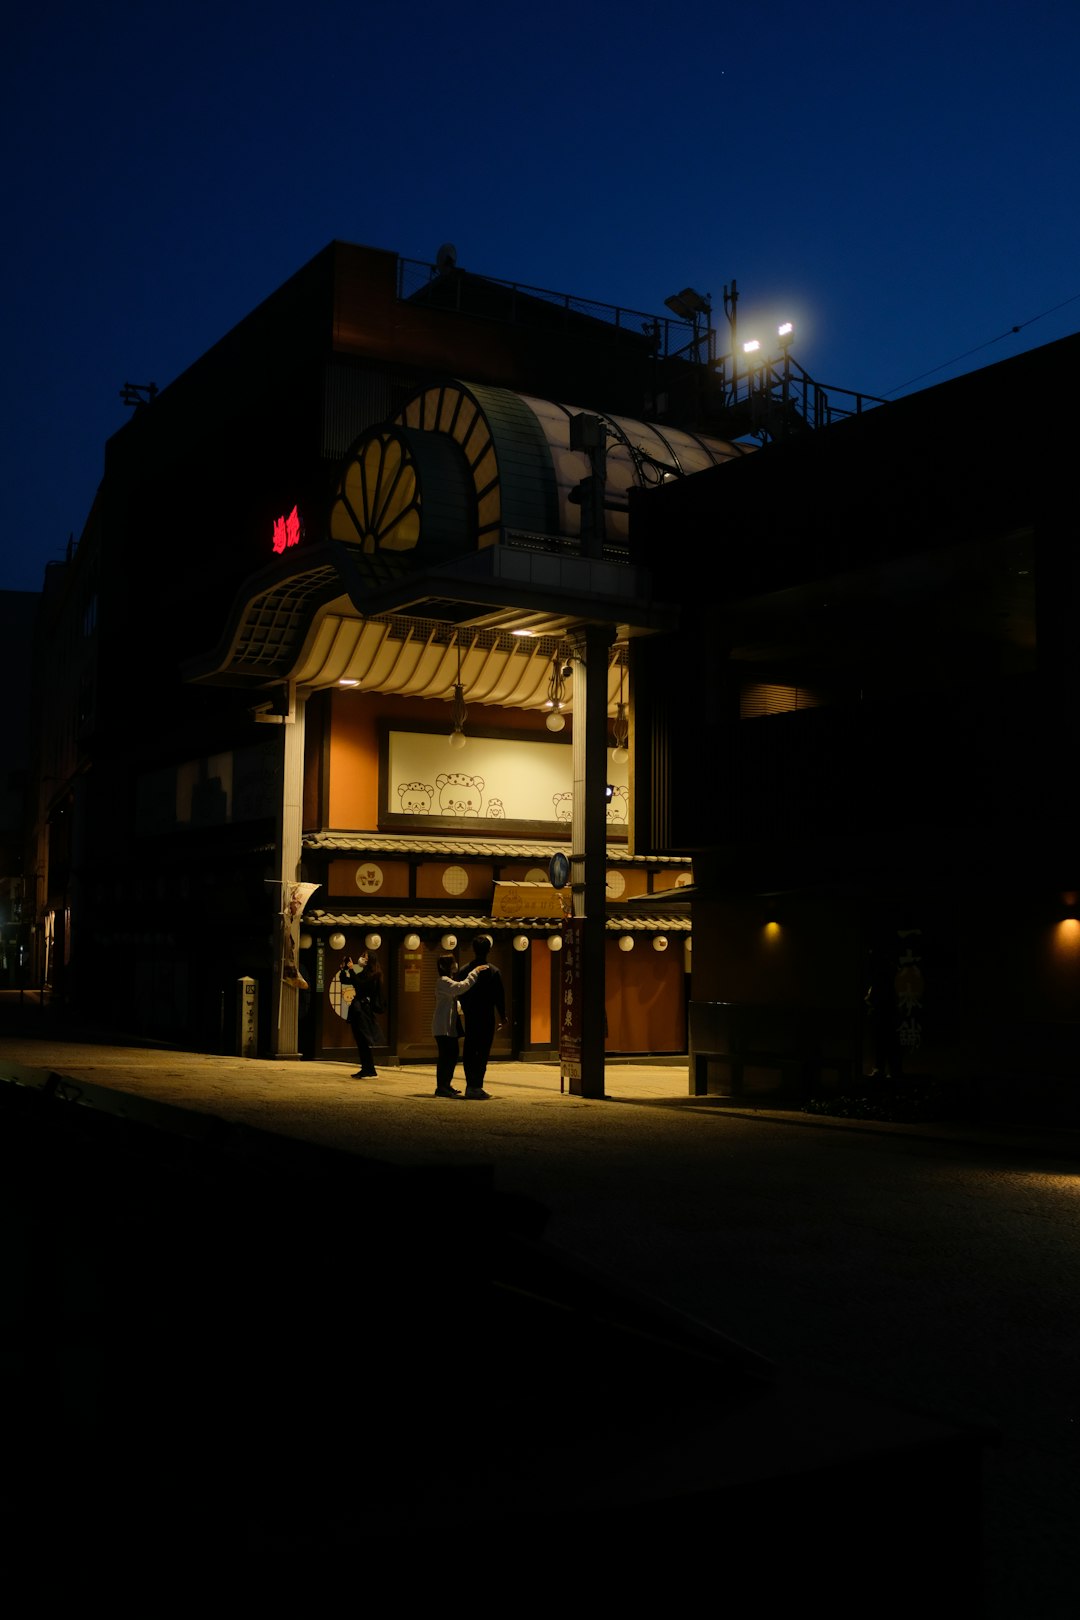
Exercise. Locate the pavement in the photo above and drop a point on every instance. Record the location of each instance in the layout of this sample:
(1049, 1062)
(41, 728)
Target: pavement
(248, 1088)
(367, 1239)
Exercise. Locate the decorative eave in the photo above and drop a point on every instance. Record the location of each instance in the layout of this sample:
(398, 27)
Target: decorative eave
(399, 844)
(435, 920)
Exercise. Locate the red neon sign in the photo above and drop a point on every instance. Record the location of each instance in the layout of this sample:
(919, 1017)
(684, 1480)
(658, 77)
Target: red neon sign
(287, 531)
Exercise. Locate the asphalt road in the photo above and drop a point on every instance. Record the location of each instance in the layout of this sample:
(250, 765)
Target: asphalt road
(923, 1268)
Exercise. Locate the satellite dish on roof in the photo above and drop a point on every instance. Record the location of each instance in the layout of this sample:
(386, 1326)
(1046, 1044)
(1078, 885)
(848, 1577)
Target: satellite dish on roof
(446, 258)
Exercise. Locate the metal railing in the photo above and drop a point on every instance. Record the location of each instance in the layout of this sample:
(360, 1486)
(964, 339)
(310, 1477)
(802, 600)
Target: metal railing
(515, 302)
(739, 397)
(774, 397)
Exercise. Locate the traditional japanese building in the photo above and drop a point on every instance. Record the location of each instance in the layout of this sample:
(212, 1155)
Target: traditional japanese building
(350, 571)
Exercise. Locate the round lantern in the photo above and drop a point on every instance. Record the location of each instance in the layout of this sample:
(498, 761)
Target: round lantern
(554, 942)
(626, 942)
(412, 942)
(305, 942)
(659, 942)
(372, 941)
(337, 942)
(521, 942)
(449, 942)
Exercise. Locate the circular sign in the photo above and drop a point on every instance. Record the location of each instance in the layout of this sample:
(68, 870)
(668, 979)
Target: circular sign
(558, 870)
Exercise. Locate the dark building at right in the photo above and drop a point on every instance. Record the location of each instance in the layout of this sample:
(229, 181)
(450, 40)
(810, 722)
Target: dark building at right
(865, 730)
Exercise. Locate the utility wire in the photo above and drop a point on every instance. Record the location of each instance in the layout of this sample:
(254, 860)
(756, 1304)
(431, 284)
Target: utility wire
(980, 346)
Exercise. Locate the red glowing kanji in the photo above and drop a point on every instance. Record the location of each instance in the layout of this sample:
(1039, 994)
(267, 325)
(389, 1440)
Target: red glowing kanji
(287, 531)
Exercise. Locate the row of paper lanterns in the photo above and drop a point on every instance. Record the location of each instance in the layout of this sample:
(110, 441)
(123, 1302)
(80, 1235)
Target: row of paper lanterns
(521, 942)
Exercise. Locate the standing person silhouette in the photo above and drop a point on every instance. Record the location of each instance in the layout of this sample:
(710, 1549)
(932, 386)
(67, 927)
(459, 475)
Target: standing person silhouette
(485, 1013)
(366, 980)
(446, 1019)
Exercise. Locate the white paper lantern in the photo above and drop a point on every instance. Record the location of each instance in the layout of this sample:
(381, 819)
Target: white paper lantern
(626, 942)
(554, 942)
(521, 942)
(337, 942)
(305, 942)
(412, 942)
(372, 941)
(449, 942)
(659, 942)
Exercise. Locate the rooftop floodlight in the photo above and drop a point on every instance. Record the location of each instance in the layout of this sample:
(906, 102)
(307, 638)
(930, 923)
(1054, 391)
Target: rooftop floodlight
(786, 331)
(687, 304)
(752, 347)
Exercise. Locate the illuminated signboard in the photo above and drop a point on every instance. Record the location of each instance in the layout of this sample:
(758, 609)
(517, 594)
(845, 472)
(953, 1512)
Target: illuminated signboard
(287, 531)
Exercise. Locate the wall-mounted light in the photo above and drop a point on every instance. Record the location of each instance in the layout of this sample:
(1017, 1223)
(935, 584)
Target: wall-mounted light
(305, 942)
(556, 698)
(411, 942)
(521, 942)
(458, 716)
(372, 941)
(626, 942)
(554, 942)
(337, 942)
(449, 942)
(660, 942)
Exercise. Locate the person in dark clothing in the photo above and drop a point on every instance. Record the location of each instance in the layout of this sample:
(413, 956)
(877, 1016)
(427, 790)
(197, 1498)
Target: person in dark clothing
(485, 1012)
(365, 977)
(450, 986)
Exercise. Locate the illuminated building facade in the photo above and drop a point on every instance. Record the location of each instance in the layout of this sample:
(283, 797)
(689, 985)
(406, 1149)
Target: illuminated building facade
(384, 516)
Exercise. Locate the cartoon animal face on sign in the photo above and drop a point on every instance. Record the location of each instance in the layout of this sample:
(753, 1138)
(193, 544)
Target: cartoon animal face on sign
(415, 798)
(564, 806)
(460, 795)
(369, 878)
(618, 809)
(495, 808)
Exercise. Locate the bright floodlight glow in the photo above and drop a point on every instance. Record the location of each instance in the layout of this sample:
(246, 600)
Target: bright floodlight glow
(752, 347)
(523, 632)
(786, 329)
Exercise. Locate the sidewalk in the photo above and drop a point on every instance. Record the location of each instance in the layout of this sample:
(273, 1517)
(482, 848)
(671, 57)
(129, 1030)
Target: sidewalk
(196, 1079)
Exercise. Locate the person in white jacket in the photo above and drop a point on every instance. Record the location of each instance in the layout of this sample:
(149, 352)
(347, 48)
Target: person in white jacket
(446, 1020)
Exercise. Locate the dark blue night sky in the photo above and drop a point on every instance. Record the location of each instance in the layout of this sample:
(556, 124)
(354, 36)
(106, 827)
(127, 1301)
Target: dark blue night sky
(901, 180)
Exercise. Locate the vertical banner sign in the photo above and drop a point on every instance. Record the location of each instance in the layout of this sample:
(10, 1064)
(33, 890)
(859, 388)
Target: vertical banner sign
(297, 896)
(570, 1002)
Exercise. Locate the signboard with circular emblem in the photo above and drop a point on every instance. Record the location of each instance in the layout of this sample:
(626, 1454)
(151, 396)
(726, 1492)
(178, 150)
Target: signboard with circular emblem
(558, 870)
